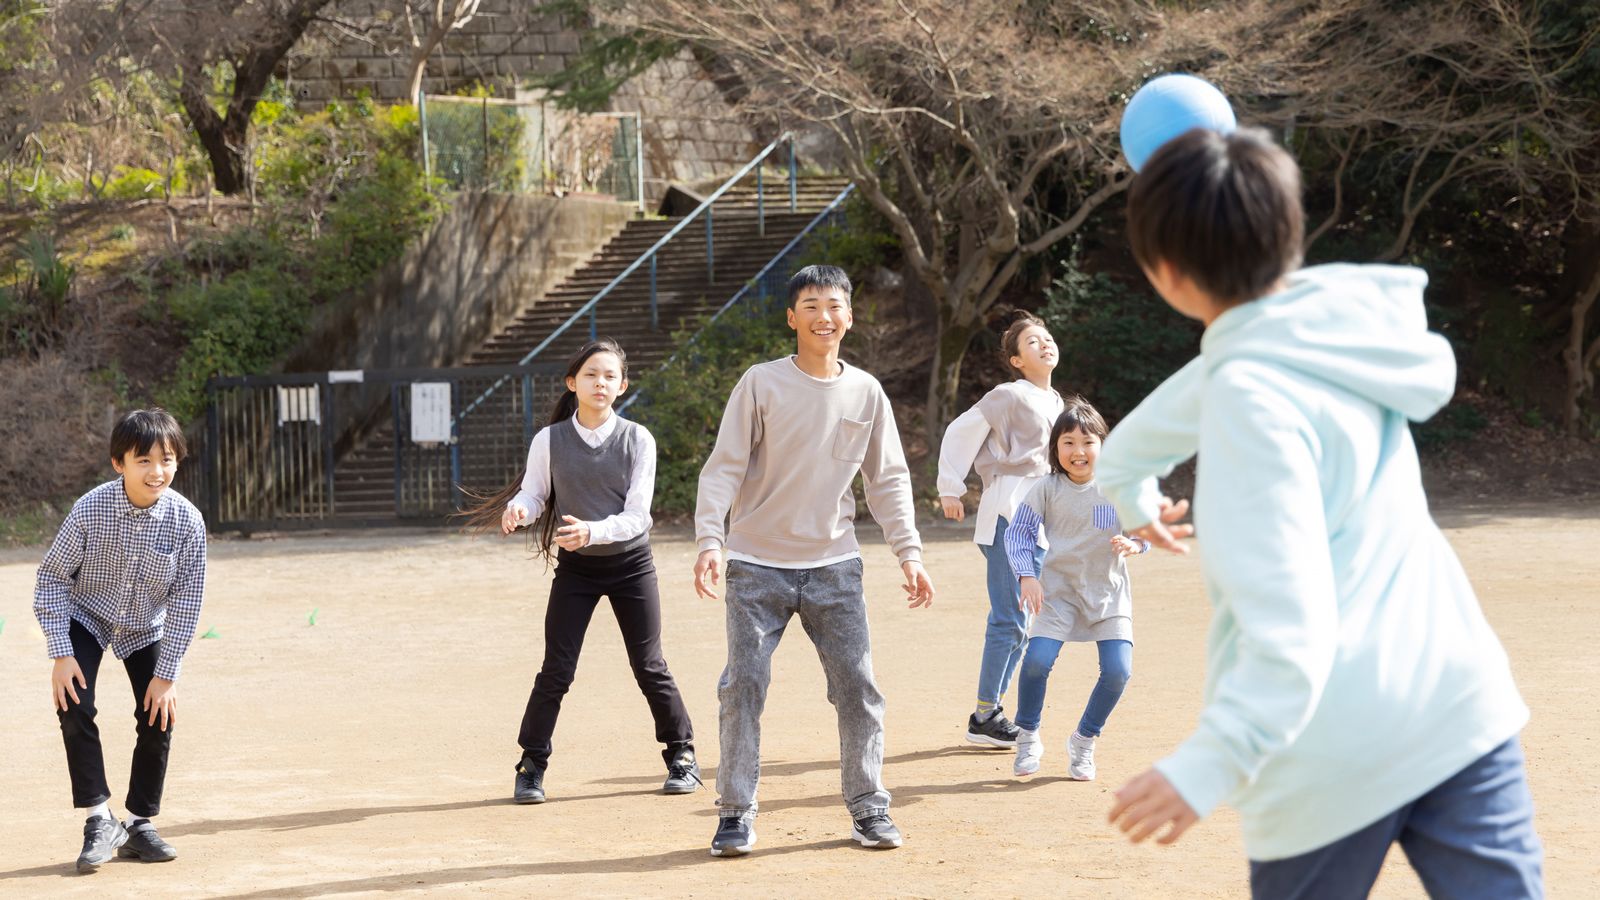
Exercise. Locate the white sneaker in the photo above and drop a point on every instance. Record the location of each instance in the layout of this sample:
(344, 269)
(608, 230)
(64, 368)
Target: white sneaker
(1030, 749)
(1081, 751)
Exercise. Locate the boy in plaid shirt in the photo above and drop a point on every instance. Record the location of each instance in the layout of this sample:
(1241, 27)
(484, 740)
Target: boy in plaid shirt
(126, 572)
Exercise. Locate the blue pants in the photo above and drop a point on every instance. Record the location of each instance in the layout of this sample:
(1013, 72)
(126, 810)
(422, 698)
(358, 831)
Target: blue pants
(1116, 667)
(1007, 634)
(1471, 837)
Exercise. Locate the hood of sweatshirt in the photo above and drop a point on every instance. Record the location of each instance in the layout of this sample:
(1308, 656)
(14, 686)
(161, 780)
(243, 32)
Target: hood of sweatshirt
(1360, 327)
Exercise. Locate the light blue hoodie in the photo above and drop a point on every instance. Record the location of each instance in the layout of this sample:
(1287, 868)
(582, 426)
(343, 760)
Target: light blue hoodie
(1349, 667)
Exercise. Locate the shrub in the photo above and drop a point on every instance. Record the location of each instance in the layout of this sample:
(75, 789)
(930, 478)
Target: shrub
(682, 403)
(1117, 343)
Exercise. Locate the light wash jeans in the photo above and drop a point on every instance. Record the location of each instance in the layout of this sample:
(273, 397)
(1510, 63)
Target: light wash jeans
(833, 612)
(1470, 838)
(1006, 637)
(1116, 667)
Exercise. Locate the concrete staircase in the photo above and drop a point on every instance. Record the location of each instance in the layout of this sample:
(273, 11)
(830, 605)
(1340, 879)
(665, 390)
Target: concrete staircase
(685, 290)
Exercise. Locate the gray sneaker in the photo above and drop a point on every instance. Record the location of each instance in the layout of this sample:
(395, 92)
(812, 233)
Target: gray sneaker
(683, 774)
(735, 835)
(102, 836)
(876, 830)
(144, 844)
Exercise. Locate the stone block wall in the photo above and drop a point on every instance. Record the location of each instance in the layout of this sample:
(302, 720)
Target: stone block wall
(504, 43)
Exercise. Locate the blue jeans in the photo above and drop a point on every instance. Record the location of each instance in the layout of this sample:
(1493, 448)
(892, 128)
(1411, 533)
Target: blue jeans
(1007, 634)
(1116, 667)
(1470, 837)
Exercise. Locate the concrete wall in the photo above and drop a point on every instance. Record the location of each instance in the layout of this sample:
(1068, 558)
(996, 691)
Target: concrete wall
(488, 258)
(691, 133)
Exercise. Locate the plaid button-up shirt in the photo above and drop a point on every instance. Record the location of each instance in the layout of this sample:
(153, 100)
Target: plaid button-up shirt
(131, 576)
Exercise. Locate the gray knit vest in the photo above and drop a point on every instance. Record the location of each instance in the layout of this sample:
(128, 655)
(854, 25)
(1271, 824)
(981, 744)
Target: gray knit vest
(591, 483)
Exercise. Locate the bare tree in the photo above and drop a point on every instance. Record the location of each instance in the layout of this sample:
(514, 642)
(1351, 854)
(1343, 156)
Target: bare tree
(983, 132)
(427, 23)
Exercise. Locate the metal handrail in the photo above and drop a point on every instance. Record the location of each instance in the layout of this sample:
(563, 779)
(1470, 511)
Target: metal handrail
(650, 254)
(740, 294)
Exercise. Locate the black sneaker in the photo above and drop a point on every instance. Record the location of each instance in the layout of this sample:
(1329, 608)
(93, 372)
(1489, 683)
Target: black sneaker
(735, 836)
(996, 731)
(683, 774)
(144, 844)
(102, 835)
(530, 785)
(876, 830)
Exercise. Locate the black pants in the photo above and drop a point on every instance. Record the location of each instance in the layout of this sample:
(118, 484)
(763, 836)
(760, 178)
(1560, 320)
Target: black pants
(629, 579)
(85, 763)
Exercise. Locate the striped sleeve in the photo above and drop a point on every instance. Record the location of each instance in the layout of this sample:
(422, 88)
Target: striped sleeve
(1022, 539)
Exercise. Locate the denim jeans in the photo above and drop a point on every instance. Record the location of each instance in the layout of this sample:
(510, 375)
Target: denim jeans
(833, 612)
(1006, 637)
(1116, 667)
(1471, 837)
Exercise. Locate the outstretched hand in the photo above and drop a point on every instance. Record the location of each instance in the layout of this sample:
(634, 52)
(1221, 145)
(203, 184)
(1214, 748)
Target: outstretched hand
(1164, 532)
(1148, 803)
(918, 586)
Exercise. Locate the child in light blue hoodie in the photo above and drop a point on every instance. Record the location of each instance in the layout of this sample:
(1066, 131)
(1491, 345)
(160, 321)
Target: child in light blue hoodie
(1355, 696)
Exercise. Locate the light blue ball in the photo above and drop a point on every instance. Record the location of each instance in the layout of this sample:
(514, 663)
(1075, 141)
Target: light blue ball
(1167, 107)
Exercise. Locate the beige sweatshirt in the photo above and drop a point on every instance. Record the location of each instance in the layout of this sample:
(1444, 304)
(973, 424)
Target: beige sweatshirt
(788, 449)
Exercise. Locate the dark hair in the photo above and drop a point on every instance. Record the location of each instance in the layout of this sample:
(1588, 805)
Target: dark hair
(1079, 415)
(1011, 341)
(486, 513)
(1224, 210)
(142, 429)
(818, 276)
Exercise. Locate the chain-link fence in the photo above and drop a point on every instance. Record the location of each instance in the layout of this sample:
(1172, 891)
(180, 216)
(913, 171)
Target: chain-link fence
(530, 146)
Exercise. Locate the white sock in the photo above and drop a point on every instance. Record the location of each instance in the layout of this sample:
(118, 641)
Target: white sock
(134, 820)
(101, 809)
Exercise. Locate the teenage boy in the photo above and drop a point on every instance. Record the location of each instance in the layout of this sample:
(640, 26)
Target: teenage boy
(776, 493)
(127, 573)
(1355, 696)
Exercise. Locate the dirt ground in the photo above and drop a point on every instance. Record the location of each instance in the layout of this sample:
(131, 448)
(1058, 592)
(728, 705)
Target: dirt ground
(371, 751)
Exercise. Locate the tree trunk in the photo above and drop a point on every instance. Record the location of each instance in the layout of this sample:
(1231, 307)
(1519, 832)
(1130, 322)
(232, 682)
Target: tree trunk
(944, 373)
(1580, 380)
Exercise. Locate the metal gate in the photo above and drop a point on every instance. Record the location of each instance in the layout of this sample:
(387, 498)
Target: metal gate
(362, 447)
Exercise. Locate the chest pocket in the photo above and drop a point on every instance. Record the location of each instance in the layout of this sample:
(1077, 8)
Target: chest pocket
(850, 442)
(158, 571)
(1105, 516)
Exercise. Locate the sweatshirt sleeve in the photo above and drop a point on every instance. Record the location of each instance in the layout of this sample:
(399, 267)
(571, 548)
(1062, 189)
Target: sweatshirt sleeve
(963, 438)
(725, 469)
(887, 479)
(1161, 432)
(1271, 573)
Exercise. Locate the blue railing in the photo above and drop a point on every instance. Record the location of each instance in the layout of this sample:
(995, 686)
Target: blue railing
(649, 256)
(770, 280)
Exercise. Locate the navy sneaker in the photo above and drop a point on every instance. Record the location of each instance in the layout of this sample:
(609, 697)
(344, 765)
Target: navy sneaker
(735, 835)
(683, 774)
(145, 845)
(530, 785)
(876, 830)
(102, 835)
(995, 731)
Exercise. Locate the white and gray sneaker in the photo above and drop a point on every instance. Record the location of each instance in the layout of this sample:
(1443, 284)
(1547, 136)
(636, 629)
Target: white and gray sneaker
(1030, 750)
(876, 830)
(1081, 750)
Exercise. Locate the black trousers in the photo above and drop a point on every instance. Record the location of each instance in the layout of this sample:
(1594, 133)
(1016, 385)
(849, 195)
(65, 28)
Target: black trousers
(85, 763)
(629, 579)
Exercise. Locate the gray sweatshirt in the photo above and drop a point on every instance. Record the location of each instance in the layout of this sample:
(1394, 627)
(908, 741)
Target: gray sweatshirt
(780, 475)
(1085, 581)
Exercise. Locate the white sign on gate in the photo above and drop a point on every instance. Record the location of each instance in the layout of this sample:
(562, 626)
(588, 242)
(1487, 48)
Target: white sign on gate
(430, 412)
(299, 404)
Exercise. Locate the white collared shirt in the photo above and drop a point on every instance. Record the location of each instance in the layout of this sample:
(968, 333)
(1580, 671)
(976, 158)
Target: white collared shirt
(634, 519)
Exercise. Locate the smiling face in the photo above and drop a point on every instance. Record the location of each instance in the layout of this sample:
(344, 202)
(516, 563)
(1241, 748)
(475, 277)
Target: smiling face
(599, 382)
(1077, 450)
(146, 476)
(1036, 352)
(820, 317)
